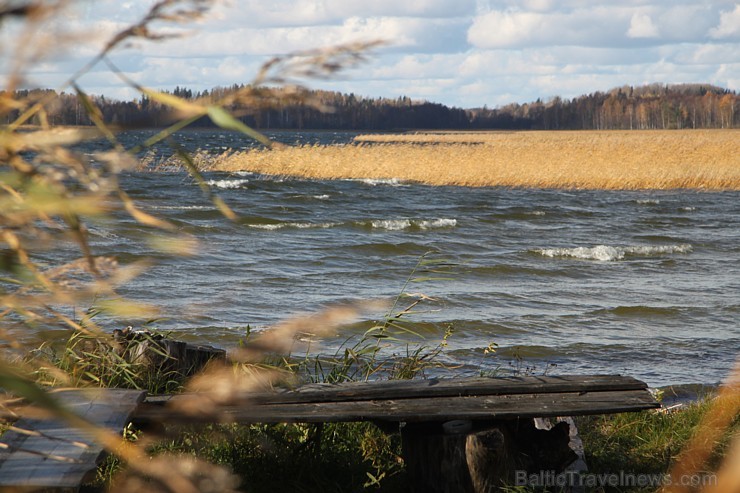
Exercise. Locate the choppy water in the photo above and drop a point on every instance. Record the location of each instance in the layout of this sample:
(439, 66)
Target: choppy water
(639, 283)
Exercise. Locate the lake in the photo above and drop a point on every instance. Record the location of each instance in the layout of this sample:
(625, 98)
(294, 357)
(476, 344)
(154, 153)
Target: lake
(643, 283)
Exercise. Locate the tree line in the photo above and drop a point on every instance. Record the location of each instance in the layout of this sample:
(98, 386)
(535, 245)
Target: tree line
(654, 106)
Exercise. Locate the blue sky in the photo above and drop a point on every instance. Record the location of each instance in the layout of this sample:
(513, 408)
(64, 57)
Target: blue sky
(464, 53)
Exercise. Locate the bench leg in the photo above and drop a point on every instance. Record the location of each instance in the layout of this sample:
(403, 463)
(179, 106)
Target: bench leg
(435, 461)
(481, 457)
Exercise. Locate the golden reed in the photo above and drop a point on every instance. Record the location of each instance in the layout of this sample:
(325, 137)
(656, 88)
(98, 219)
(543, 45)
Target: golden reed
(631, 160)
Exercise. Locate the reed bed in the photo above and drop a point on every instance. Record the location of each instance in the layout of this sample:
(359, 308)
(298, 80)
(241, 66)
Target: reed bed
(629, 160)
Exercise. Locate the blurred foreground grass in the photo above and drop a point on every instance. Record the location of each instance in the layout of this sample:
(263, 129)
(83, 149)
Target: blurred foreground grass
(344, 457)
(49, 193)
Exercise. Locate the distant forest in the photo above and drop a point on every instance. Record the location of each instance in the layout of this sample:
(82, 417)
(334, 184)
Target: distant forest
(654, 106)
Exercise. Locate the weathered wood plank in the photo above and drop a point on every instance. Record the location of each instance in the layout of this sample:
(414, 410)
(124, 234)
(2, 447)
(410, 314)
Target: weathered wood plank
(450, 387)
(440, 387)
(426, 409)
(55, 455)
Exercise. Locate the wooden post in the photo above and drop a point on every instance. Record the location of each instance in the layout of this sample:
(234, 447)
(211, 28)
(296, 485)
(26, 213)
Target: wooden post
(435, 461)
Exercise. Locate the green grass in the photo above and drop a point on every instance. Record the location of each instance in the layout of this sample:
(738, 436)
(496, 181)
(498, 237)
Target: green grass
(97, 360)
(647, 442)
(349, 457)
(354, 457)
(335, 457)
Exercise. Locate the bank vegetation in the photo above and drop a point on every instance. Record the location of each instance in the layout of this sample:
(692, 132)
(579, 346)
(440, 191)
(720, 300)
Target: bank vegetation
(623, 160)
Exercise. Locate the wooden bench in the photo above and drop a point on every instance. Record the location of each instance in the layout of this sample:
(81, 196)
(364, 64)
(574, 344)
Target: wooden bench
(429, 400)
(50, 454)
(460, 434)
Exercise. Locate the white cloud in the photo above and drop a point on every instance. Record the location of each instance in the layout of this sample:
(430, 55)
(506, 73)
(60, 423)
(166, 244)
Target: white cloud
(729, 25)
(419, 67)
(539, 5)
(608, 24)
(685, 23)
(641, 26)
(291, 13)
(405, 8)
(401, 34)
(498, 29)
(593, 26)
(707, 54)
(458, 52)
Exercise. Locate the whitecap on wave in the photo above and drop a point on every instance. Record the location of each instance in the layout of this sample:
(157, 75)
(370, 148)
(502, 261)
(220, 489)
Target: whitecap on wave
(374, 182)
(392, 224)
(102, 233)
(437, 223)
(227, 183)
(606, 253)
(182, 207)
(275, 227)
(401, 224)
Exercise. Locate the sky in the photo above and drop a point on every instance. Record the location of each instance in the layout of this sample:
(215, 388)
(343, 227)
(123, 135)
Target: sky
(463, 53)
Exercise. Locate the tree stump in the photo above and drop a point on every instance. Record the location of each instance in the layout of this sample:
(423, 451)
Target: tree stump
(481, 457)
(164, 356)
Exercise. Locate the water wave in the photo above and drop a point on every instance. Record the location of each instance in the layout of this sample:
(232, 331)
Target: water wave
(386, 224)
(437, 223)
(647, 201)
(517, 270)
(374, 182)
(640, 311)
(402, 224)
(226, 184)
(102, 233)
(525, 352)
(658, 238)
(391, 224)
(277, 226)
(181, 207)
(606, 253)
(516, 214)
(390, 248)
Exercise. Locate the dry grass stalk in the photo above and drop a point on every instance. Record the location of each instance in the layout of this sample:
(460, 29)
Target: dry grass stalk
(282, 338)
(278, 83)
(230, 384)
(177, 473)
(628, 160)
(38, 212)
(47, 194)
(724, 410)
